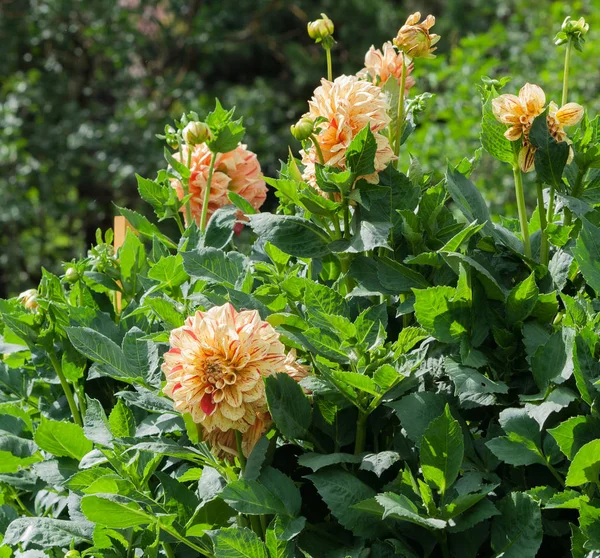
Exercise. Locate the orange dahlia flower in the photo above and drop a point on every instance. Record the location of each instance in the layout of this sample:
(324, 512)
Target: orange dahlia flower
(348, 104)
(216, 366)
(381, 65)
(519, 112)
(237, 171)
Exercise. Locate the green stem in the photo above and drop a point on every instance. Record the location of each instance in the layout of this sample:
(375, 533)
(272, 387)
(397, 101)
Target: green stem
(443, 541)
(241, 456)
(544, 248)
(401, 115)
(204, 214)
(521, 208)
(186, 188)
(318, 148)
(345, 265)
(168, 550)
(179, 223)
(329, 69)
(555, 474)
(18, 500)
(183, 540)
(66, 388)
(361, 432)
(550, 210)
(346, 219)
(565, 89)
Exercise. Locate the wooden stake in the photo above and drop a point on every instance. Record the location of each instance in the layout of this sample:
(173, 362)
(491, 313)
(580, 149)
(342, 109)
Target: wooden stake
(120, 229)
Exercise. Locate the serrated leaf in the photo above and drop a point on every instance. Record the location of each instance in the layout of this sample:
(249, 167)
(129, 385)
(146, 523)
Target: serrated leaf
(237, 542)
(585, 466)
(62, 439)
(517, 532)
(521, 300)
(288, 406)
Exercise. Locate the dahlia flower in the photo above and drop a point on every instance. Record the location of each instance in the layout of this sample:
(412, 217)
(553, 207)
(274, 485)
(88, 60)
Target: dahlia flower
(223, 444)
(415, 39)
(348, 104)
(216, 365)
(237, 171)
(382, 65)
(519, 112)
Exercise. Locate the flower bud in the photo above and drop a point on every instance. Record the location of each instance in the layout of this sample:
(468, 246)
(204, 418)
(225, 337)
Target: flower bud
(303, 128)
(415, 39)
(196, 133)
(171, 137)
(72, 554)
(71, 276)
(29, 299)
(320, 29)
(572, 30)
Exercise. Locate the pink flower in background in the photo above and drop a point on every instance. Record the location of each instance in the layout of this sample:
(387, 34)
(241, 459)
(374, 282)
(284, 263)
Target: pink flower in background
(348, 104)
(237, 171)
(382, 65)
(216, 366)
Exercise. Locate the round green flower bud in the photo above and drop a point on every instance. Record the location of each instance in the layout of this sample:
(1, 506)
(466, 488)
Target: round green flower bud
(196, 133)
(171, 137)
(302, 129)
(72, 554)
(320, 28)
(579, 27)
(71, 276)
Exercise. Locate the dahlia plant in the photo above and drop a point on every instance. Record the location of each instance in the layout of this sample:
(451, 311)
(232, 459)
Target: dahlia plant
(379, 368)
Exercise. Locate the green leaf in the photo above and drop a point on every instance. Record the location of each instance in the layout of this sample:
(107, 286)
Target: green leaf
(272, 493)
(237, 542)
(440, 314)
(550, 155)
(219, 230)
(360, 155)
(316, 461)
(459, 239)
(399, 278)
(288, 406)
(341, 490)
(380, 462)
(215, 266)
(472, 387)
(152, 192)
(103, 350)
(113, 510)
(62, 439)
(417, 410)
(517, 532)
(585, 466)
(145, 227)
(552, 362)
(241, 203)
(291, 234)
(121, 421)
(226, 133)
(572, 434)
(169, 271)
(587, 253)
(47, 532)
(95, 423)
(442, 451)
(521, 300)
(586, 370)
(398, 506)
(277, 539)
(492, 133)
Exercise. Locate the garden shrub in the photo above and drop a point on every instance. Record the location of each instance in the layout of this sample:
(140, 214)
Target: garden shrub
(379, 368)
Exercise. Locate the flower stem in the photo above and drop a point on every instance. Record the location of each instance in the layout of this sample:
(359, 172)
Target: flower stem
(318, 148)
(522, 209)
(186, 189)
(361, 432)
(241, 456)
(66, 388)
(329, 69)
(182, 539)
(168, 550)
(543, 224)
(550, 210)
(565, 89)
(401, 115)
(206, 199)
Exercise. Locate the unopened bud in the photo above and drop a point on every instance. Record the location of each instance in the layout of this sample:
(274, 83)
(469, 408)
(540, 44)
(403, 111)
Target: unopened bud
(29, 299)
(196, 133)
(572, 30)
(72, 554)
(320, 29)
(171, 137)
(71, 275)
(303, 128)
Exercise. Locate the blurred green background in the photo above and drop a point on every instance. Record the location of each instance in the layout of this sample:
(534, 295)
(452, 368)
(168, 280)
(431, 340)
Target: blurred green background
(86, 85)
